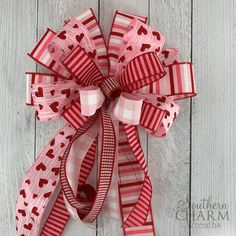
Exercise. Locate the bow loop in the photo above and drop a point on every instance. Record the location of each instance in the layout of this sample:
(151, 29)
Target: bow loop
(158, 114)
(51, 95)
(138, 39)
(73, 34)
(143, 70)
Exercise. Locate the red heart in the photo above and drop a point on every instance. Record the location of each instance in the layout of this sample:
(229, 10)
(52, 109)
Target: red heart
(61, 133)
(75, 26)
(52, 92)
(161, 99)
(39, 93)
(54, 183)
(40, 106)
(26, 204)
(165, 53)
(129, 48)
(60, 158)
(69, 137)
(41, 166)
(145, 46)
(55, 171)
(142, 30)
(28, 226)
(50, 153)
(66, 92)
(158, 49)
(157, 35)
(35, 211)
(27, 181)
(35, 196)
(54, 106)
(22, 192)
(42, 182)
(167, 114)
(52, 142)
(79, 37)
(71, 46)
(92, 54)
(122, 59)
(46, 195)
(62, 35)
(62, 145)
(22, 212)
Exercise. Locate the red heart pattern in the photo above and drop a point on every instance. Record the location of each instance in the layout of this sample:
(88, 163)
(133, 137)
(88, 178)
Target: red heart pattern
(50, 153)
(79, 37)
(39, 93)
(62, 35)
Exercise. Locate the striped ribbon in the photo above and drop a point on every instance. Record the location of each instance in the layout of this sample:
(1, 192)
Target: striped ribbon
(102, 93)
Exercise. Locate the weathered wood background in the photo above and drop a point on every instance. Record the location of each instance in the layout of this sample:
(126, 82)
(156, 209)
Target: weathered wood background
(195, 161)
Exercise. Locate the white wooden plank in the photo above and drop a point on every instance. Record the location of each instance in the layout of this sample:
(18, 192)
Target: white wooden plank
(213, 123)
(169, 157)
(17, 34)
(140, 7)
(52, 14)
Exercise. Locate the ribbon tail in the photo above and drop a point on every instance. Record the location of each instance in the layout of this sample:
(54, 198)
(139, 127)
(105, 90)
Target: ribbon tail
(41, 185)
(135, 189)
(58, 218)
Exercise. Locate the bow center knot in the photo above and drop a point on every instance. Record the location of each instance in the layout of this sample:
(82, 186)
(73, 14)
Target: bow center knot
(111, 88)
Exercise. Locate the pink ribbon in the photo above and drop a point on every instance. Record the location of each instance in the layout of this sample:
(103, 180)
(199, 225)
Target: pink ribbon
(102, 95)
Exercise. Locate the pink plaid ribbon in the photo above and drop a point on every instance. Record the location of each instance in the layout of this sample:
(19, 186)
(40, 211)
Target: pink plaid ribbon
(102, 94)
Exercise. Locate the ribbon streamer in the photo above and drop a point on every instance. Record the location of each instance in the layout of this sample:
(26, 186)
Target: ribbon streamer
(103, 93)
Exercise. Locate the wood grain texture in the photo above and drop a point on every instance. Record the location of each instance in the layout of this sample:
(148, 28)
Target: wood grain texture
(17, 34)
(213, 123)
(169, 157)
(207, 134)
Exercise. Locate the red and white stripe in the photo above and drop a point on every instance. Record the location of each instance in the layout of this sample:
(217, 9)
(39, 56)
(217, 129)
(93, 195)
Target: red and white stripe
(37, 78)
(83, 68)
(87, 163)
(88, 18)
(151, 116)
(142, 70)
(177, 83)
(57, 218)
(73, 115)
(131, 182)
(119, 27)
(41, 55)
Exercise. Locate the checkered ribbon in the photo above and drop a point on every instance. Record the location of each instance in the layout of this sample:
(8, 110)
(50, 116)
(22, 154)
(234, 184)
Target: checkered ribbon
(102, 94)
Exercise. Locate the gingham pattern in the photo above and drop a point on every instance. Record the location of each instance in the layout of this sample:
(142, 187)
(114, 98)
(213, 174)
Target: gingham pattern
(91, 99)
(128, 109)
(111, 88)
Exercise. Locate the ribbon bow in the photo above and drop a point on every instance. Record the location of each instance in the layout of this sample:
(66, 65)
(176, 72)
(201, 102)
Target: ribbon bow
(102, 95)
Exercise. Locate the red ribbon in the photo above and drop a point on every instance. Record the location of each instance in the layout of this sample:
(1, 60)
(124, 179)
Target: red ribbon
(57, 186)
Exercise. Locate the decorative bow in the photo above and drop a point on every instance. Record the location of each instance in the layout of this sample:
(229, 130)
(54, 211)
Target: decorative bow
(103, 96)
